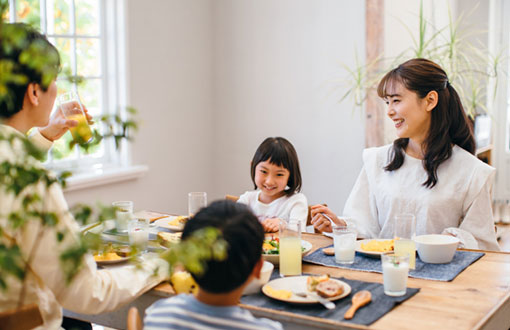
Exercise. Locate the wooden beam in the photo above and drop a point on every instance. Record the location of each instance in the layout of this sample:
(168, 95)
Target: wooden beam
(374, 24)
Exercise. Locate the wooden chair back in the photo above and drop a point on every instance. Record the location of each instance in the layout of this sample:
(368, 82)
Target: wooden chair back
(232, 198)
(134, 321)
(308, 218)
(23, 318)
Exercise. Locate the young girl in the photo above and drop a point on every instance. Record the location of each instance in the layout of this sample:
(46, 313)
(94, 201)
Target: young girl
(277, 179)
(429, 171)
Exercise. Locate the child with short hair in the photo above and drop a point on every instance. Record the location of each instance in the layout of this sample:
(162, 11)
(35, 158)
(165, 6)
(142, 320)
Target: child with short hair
(223, 282)
(277, 179)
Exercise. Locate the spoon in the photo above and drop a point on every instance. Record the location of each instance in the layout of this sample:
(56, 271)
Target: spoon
(360, 299)
(326, 303)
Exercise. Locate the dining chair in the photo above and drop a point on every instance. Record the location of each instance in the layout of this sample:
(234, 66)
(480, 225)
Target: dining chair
(232, 198)
(134, 321)
(23, 318)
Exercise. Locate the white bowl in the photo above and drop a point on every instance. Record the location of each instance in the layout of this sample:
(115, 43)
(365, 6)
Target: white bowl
(256, 284)
(436, 249)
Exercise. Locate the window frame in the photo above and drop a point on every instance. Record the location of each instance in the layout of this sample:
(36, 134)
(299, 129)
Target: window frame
(499, 39)
(111, 78)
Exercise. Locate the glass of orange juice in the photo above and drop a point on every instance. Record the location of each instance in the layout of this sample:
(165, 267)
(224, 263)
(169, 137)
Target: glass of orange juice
(290, 247)
(405, 231)
(72, 108)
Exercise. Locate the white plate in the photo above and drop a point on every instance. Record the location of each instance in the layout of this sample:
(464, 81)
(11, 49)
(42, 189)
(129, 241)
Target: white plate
(110, 262)
(298, 284)
(275, 258)
(165, 223)
(373, 254)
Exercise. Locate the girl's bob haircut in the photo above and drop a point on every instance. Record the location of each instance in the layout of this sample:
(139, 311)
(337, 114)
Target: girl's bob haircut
(280, 152)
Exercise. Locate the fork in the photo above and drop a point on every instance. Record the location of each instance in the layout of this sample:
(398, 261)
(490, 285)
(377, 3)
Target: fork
(333, 224)
(326, 303)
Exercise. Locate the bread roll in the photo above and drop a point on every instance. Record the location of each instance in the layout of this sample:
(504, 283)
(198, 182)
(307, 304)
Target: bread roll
(329, 289)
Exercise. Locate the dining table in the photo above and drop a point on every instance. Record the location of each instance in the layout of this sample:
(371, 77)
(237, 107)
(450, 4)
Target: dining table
(478, 298)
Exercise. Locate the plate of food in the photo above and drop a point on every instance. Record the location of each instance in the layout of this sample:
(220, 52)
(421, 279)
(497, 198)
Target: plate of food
(172, 222)
(167, 239)
(374, 247)
(271, 249)
(302, 289)
(112, 255)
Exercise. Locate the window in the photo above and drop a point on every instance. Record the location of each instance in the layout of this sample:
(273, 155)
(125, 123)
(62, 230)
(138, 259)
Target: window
(499, 39)
(87, 43)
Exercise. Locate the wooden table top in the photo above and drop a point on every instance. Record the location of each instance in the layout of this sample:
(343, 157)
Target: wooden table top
(479, 297)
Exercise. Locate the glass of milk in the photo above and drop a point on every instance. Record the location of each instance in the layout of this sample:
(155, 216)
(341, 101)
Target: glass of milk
(138, 232)
(123, 214)
(344, 238)
(395, 270)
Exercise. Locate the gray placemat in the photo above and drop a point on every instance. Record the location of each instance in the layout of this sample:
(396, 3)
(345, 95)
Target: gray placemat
(380, 305)
(439, 272)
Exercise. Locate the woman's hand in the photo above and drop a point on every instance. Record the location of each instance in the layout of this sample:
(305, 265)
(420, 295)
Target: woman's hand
(271, 225)
(58, 125)
(320, 222)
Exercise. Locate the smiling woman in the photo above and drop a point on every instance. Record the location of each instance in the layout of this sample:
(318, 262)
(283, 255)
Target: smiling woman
(429, 171)
(411, 115)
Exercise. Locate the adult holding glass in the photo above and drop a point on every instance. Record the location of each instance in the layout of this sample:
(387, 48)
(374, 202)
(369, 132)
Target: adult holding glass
(430, 170)
(28, 104)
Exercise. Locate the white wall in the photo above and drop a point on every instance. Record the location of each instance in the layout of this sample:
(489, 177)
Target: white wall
(274, 66)
(213, 78)
(401, 32)
(169, 56)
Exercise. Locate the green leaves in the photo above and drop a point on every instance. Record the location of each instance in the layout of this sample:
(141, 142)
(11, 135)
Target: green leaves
(194, 252)
(81, 213)
(24, 181)
(11, 264)
(455, 47)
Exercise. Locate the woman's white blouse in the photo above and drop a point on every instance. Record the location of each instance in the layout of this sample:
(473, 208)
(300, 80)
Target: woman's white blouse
(92, 290)
(459, 204)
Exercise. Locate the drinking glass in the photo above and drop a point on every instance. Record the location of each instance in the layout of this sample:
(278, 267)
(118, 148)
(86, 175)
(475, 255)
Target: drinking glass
(290, 247)
(348, 220)
(344, 238)
(72, 108)
(395, 270)
(405, 231)
(138, 232)
(196, 200)
(123, 214)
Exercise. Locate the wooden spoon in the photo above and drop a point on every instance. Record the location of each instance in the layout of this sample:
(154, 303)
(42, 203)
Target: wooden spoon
(360, 299)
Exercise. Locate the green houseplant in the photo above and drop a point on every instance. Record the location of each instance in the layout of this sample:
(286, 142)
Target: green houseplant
(22, 172)
(467, 62)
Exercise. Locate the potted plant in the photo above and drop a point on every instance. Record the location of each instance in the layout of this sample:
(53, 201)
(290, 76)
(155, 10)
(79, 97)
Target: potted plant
(469, 64)
(25, 184)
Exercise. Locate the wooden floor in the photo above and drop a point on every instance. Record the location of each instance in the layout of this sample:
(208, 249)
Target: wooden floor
(504, 234)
